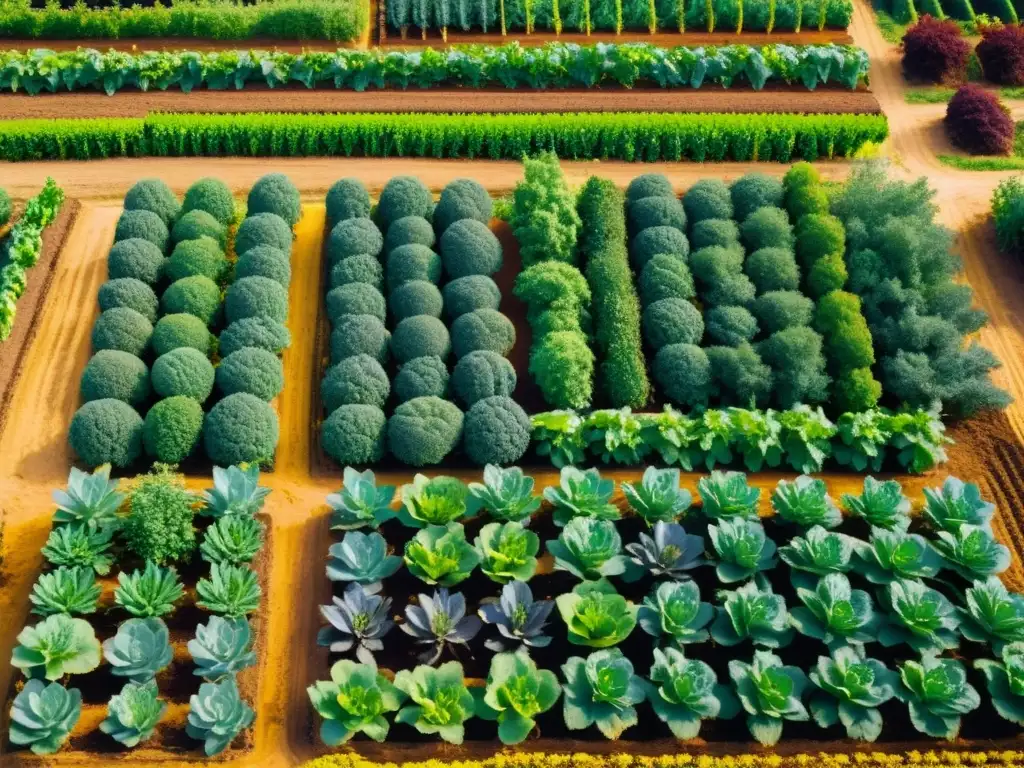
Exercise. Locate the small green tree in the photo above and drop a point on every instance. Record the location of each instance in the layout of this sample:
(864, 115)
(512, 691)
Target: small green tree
(544, 217)
(159, 524)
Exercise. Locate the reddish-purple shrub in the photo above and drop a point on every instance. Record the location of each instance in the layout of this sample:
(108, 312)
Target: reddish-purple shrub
(935, 51)
(1001, 53)
(978, 122)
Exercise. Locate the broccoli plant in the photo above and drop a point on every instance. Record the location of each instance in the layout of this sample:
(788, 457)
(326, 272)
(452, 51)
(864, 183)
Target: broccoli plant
(972, 552)
(581, 493)
(670, 552)
(362, 558)
(435, 501)
(851, 689)
(508, 552)
(601, 690)
(42, 716)
(231, 590)
(58, 645)
(881, 504)
(674, 610)
(358, 619)
(895, 554)
(817, 553)
(355, 700)
(236, 491)
(440, 701)
(752, 612)
(506, 494)
(834, 613)
(139, 650)
(589, 548)
(81, 544)
(1005, 682)
(151, 592)
(726, 494)
(360, 503)
(234, 539)
(770, 693)
(658, 497)
(91, 499)
(919, 616)
(519, 618)
(221, 647)
(938, 694)
(993, 616)
(684, 692)
(806, 503)
(596, 615)
(956, 503)
(441, 555)
(742, 547)
(516, 693)
(216, 715)
(65, 590)
(438, 622)
(133, 714)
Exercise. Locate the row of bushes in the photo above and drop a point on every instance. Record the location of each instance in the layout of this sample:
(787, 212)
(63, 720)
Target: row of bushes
(936, 51)
(974, 12)
(1008, 215)
(648, 137)
(553, 65)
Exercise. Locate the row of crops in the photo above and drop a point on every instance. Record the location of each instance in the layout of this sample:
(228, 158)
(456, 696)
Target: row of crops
(163, 648)
(866, 620)
(191, 327)
(908, 11)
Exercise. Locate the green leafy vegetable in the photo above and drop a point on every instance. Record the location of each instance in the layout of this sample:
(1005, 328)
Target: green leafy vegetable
(892, 555)
(852, 687)
(674, 610)
(956, 503)
(355, 700)
(596, 615)
(752, 612)
(581, 493)
(231, 590)
(149, 592)
(58, 645)
(670, 551)
(742, 547)
(362, 558)
(684, 692)
(236, 491)
(441, 555)
(65, 590)
(994, 615)
(140, 649)
(834, 613)
(658, 496)
(881, 504)
(589, 548)
(506, 494)
(441, 703)
(234, 539)
(216, 715)
(770, 693)
(919, 616)
(1005, 682)
(89, 498)
(805, 502)
(601, 690)
(972, 552)
(80, 545)
(435, 501)
(360, 503)
(508, 552)
(726, 494)
(42, 716)
(937, 692)
(516, 693)
(133, 714)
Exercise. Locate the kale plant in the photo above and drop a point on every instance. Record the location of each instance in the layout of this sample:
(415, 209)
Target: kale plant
(150, 592)
(231, 590)
(355, 700)
(993, 615)
(658, 496)
(805, 502)
(752, 612)
(684, 692)
(895, 554)
(581, 493)
(972, 552)
(589, 548)
(441, 555)
(601, 690)
(881, 504)
(360, 503)
(834, 613)
(80, 544)
(937, 693)
(956, 503)
(674, 610)
(506, 494)
(435, 501)
(508, 552)
(770, 693)
(726, 494)
(516, 693)
(439, 701)
(919, 616)
(742, 547)
(65, 590)
(133, 714)
(851, 689)
(1005, 682)
(596, 615)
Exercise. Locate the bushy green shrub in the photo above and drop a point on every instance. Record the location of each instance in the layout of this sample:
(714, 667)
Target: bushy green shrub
(470, 293)
(240, 428)
(424, 430)
(355, 299)
(482, 329)
(544, 218)
(172, 429)
(496, 431)
(196, 257)
(803, 193)
(720, 279)
(5, 207)
(422, 377)
(355, 434)
(817, 236)
(418, 336)
(259, 332)
(155, 196)
(416, 297)
(265, 261)
(562, 364)
(256, 297)
(361, 268)
(722, 233)
(131, 293)
(707, 199)
(117, 375)
(403, 196)
(195, 295)
(160, 523)
(773, 269)
(197, 224)
(672, 321)
(779, 310)
(738, 376)
(468, 247)
(412, 262)
(356, 379)
(347, 199)
(123, 329)
(649, 185)
(655, 240)
(856, 390)
(730, 326)
(767, 227)
(683, 373)
(753, 191)
(840, 321)
(483, 374)
(562, 315)
(251, 370)
(409, 230)
(136, 258)
(181, 330)
(360, 334)
(548, 282)
(275, 193)
(826, 275)
(798, 366)
(665, 277)
(144, 225)
(462, 199)
(183, 371)
(263, 229)
(211, 196)
(656, 212)
(106, 432)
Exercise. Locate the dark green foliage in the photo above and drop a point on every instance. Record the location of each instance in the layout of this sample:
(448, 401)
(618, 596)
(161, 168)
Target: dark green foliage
(482, 374)
(655, 240)
(131, 293)
(856, 390)
(424, 430)
(482, 329)
(753, 191)
(798, 367)
(672, 321)
(360, 334)
(153, 195)
(197, 224)
(767, 227)
(803, 193)
(355, 299)
(264, 229)
(173, 331)
(462, 199)
(496, 431)
(172, 429)
(412, 262)
(470, 293)
(708, 199)
(778, 310)
(136, 258)
(159, 526)
(361, 268)
(817, 236)
(251, 370)
(347, 199)
(649, 185)
(240, 428)
(826, 275)
(683, 373)
(722, 233)
(183, 371)
(656, 212)
(275, 193)
(544, 218)
(256, 297)
(259, 332)
(123, 329)
(416, 297)
(719, 275)
(422, 377)
(354, 435)
(418, 336)
(356, 379)
(106, 432)
(5, 207)
(196, 295)
(409, 230)
(144, 225)
(738, 375)
(265, 261)
(212, 196)
(730, 326)
(838, 318)
(196, 257)
(403, 196)
(468, 247)
(562, 364)
(773, 269)
(665, 277)
(111, 373)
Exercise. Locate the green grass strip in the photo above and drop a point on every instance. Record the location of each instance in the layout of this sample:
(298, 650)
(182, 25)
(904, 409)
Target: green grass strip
(962, 163)
(929, 95)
